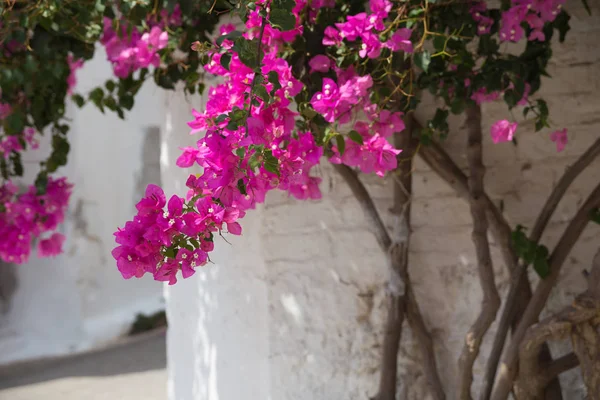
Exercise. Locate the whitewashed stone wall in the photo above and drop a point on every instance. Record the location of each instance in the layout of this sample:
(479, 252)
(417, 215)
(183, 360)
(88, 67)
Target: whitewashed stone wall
(79, 299)
(294, 309)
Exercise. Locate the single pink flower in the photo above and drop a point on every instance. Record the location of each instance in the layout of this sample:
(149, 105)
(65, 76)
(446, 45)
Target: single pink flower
(503, 131)
(560, 138)
(52, 246)
(320, 63)
(400, 41)
(74, 65)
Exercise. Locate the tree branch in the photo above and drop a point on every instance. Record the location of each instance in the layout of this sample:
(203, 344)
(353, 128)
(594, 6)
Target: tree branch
(399, 267)
(443, 165)
(561, 187)
(575, 320)
(558, 366)
(491, 299)
(561, 251)
(531, 382)
(398, 253)
(519, 281)
(366, 202)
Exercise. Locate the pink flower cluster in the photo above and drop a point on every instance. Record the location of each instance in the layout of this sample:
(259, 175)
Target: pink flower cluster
(162, 242)
(534, 12)
(130, 52)
(10, 143)
(339, 102)
(26, 216)
(239, 166)
(367, 27)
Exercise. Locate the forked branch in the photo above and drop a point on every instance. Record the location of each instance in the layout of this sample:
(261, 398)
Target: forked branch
(491, 299)
(570, 236)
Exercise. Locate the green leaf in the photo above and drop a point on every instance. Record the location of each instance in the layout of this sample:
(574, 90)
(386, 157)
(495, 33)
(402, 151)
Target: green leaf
(241, 186)
(110, 85)
(562, 25)
(341, 144)
(170, 252)
(595, 215)
(261, 92)
(14, 123)
(511, 98)
(226, 60)
(241, 152)
(539, 124)
(247, 51)
(271, 162)
(457, 106)
(254, 161)
(356, 137)
(542, 107)
(78, 100)
(96, 96)
(41, 183)
(238, 116)
(126, 101)
(111, 103)
(439, 42)
(422, 60)
(281, 14)
(273, 77)
(15, 159)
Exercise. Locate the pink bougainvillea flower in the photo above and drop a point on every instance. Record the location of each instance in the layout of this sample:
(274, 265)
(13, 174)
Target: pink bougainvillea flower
(52, 246)
(400, 41)
(74, 65)
(320, 63)
(503, 131)
(560, 138)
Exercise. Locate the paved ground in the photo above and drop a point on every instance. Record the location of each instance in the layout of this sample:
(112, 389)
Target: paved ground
(134, 370)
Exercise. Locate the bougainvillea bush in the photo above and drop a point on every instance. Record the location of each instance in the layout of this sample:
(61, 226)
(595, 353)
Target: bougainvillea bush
(302, 83)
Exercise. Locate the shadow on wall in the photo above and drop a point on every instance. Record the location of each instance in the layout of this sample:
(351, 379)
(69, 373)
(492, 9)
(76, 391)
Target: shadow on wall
(8, 285)
(146, 354)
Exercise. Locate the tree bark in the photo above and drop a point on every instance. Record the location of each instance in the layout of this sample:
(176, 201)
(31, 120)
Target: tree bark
(491, 299)
(572, 233)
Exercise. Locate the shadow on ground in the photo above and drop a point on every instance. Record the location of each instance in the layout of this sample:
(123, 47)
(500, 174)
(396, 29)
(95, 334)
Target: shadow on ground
(143, 354)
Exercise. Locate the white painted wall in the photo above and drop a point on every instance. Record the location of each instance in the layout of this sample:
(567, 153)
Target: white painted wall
(79, 299)
(294, 309)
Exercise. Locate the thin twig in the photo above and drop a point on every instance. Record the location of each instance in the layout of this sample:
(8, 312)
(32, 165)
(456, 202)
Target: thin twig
(491, 299)
(508, 367)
